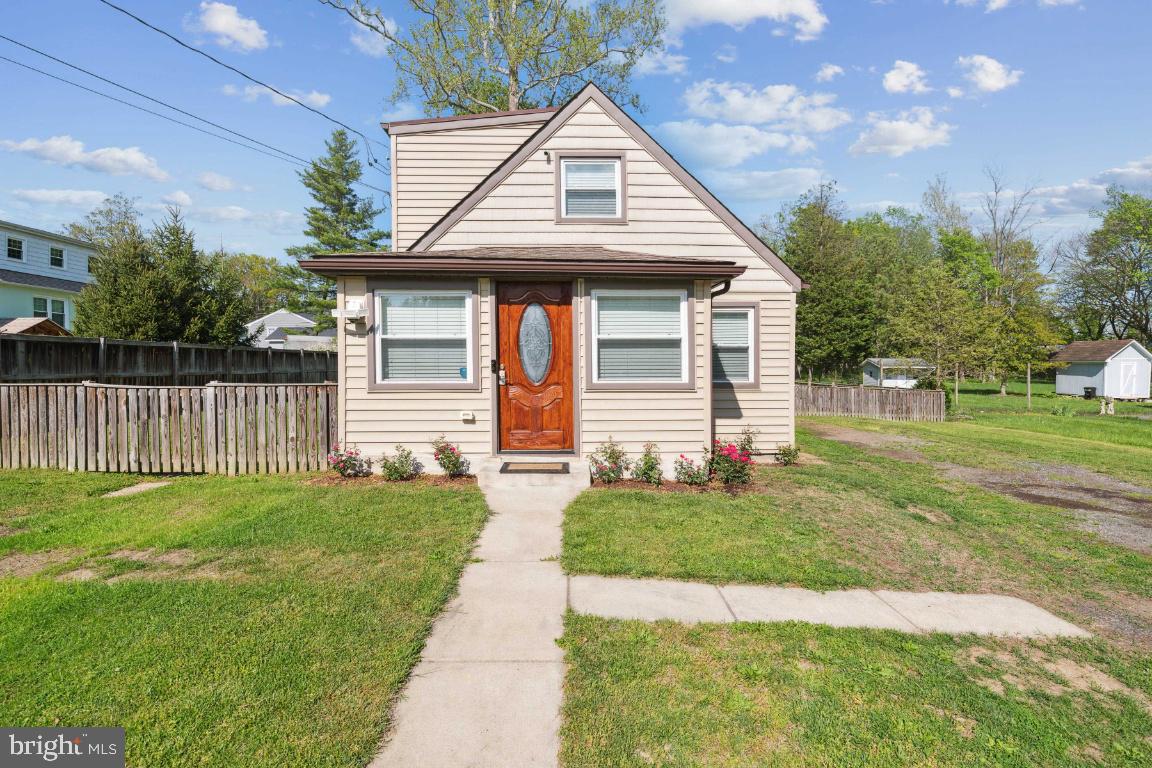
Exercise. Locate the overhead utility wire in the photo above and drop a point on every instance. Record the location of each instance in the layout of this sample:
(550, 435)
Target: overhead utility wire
(246, 76)
(287, 159)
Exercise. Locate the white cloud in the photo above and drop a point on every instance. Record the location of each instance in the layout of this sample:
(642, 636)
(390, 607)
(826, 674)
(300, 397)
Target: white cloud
(906, 77)
(987, 74)
(73, 198)
(255, 92)
(723, 146)
(65, 150)
(1083, 195)
(727, 53)
(956, 93)
(179, 197)
(828, 72)
(216, 182)
(371, 43)
(805, 18)
(991, 6)
(782, 106)
(229, 28)
(754, 186)
(661, 63)
(405, 110)
(913, 129)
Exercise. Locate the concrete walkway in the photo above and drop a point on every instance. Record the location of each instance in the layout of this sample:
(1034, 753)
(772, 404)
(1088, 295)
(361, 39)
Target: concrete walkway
(488, 688)
(654, 599)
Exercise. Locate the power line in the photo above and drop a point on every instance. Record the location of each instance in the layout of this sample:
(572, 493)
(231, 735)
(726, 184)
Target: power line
(90, 73)
(246, 76)
(287, 157)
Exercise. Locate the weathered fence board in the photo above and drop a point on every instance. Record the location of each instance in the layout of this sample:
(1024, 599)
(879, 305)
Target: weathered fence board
(217, 429)
(871, 402)
(70, 359)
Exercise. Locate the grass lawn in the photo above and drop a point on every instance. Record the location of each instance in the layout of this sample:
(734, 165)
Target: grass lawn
(255, 621)
(898, 506)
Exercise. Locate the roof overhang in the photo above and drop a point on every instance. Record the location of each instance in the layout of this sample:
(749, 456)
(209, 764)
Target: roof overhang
(521, 261)
(454, 122)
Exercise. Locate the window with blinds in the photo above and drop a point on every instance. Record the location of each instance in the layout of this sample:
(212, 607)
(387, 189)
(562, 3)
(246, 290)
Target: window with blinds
(424, 336)
(640, 336)
(732, 345)
(590, 188)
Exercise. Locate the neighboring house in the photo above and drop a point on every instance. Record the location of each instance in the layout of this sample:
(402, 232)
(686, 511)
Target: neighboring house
(1117, 368)
(41, 273)
(898, 372)
(324, 341)
(32, 326)
(558, 279)
(265, 329)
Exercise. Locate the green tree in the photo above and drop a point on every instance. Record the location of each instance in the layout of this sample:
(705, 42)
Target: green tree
(469, 56)
(158, 287)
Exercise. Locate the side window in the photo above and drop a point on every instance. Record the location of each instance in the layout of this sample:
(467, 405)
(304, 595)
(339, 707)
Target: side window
(732, 353)
(16, 248)
(591, 188)
(56, 257)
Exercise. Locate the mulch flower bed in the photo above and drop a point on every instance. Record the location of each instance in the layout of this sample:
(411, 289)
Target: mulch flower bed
(436, 480)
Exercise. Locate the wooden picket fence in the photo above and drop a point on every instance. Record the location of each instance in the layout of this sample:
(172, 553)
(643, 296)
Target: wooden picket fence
(216, 429)
(871, 402)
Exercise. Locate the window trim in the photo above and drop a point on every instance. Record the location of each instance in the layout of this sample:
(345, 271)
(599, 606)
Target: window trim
(753, 309)
(63, 256)
(23, 248)
(621, 160)
(468, 288)
(686, 293)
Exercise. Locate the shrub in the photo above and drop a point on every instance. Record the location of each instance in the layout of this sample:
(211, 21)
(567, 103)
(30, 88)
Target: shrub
(348, 461)
(647, 467)
(691, 473)
(609, 462)
(729, 464)
(1063, 409)
(747, 441)
(402, 466)
(449, 457)
(787, 455)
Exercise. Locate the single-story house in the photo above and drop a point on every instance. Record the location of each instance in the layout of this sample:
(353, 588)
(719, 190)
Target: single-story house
(897, 372)
(558, 279)
(1116, 368)
(263, 329)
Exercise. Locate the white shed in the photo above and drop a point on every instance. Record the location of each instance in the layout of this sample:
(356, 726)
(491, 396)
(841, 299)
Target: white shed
(1117, 368)
(895, 372)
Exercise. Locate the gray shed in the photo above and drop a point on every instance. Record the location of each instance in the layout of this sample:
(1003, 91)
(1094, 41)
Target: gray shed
(897, 372)
(1116, 368)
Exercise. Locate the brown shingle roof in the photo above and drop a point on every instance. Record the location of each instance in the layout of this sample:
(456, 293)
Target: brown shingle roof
(1090, 351)
(40, 281)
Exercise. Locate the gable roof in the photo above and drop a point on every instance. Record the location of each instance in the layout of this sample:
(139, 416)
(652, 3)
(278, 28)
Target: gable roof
(308, 319)
(453, 122)
(41, 326)
(591, 93)
(1096, 351)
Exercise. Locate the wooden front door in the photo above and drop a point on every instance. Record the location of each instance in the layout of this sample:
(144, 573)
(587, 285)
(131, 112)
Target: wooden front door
(535, 345)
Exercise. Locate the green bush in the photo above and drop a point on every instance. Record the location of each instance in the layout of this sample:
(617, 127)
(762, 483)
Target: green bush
(647, 468)
(747, 440)
(730, 465)
(402, 466)
(449, 457)
(787, 455)
(691, 473)
(609, 462)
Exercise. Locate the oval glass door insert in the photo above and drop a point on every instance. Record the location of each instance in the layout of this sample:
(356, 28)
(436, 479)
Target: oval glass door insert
(535, 343)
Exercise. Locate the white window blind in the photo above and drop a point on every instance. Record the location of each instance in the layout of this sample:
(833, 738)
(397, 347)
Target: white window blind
(640, 336)
(732, 345)
(424, 337)
(591, 188)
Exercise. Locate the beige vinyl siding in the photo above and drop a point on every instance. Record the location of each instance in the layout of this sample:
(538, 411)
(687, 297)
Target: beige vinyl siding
(434, 171)
(677, 421)
(377, 421)
(664, 217)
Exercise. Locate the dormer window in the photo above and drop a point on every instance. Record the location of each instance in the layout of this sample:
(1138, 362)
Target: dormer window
(591, 189)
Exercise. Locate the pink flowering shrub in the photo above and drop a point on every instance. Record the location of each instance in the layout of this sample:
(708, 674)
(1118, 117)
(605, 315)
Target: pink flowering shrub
(730, 464)
(609, 462)
(689, 472)
(449, 457)
(348, 461)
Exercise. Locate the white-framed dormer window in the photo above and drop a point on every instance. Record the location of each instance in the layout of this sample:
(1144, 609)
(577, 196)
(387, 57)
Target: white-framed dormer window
(640, 336)
(56, 257)
(55, 309)
(16, 249)
(424, 337)
(591, 189)
(733, 350)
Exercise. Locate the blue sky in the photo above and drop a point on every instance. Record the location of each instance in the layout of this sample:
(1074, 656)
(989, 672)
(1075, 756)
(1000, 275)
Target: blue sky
(760, 98)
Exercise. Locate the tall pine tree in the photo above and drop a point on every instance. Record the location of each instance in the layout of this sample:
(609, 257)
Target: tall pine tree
(340, 221)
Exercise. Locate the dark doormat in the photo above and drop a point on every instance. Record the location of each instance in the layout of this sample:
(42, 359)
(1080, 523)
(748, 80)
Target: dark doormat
(534, 468)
